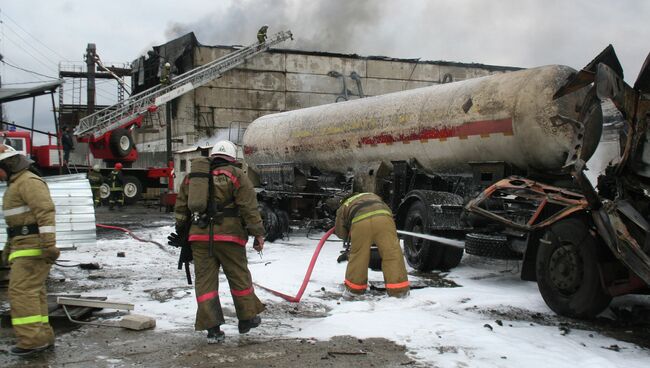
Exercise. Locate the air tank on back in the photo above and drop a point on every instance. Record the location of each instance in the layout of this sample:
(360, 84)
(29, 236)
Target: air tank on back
(509, 117)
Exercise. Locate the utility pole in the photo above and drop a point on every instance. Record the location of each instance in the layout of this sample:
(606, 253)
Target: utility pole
(91, 52)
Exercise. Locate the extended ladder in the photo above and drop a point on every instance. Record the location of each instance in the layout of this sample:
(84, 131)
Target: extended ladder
(122, 113)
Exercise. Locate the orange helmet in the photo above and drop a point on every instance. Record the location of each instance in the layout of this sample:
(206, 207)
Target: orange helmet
(118, 166)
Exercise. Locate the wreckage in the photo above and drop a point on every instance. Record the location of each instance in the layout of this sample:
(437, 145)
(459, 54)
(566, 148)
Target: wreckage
(497, 162)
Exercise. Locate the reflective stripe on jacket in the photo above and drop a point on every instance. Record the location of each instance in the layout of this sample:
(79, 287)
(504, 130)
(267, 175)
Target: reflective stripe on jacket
(358, 208)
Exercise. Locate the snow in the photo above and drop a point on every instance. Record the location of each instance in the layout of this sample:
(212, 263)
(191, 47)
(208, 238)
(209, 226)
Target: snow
(444, 326)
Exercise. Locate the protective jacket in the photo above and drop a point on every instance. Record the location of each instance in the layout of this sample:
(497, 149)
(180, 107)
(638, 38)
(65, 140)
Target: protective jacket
(96, 179)
(234, 193)
(365, 220)
(29, 213)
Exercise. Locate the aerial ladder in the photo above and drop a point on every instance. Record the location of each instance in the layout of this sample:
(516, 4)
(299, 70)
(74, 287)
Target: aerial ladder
(98, 129)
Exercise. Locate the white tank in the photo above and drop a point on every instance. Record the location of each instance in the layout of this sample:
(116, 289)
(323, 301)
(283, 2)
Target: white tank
(504, 117)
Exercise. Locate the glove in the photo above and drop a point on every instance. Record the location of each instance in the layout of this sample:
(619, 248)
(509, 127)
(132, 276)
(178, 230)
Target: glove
(343, 257)
(51, 254)
(179, 238)
(176, 240)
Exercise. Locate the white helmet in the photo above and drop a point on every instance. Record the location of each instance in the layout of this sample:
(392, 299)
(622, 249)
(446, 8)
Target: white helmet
(96, 167)
(224, 149)
(7, 151)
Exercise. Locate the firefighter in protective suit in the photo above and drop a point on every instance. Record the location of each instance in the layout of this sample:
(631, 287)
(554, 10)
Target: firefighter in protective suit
(218, 233)
(96, 180)
(364, 219)
(261, 34)
(116, 182)
(30, 250)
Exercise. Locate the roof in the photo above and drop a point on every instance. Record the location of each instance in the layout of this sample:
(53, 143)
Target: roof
(189, 40)
(13, 94)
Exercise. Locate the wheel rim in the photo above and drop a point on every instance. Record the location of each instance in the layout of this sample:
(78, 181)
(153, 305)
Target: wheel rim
(125, 143)
(566, 268)
(130, 190)
(104, 191)
(414, 245)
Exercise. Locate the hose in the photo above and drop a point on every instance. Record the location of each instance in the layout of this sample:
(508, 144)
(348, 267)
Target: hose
(133, 235)
(305, 281)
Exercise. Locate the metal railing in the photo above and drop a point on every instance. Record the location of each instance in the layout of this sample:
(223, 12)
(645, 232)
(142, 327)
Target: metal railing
(119, 114)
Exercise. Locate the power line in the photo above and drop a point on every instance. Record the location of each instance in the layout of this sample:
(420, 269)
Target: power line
(28, 44)
(30, 54)
(32, 36)
(26, 70)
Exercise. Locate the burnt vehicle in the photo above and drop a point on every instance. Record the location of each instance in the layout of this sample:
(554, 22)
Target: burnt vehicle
(497, 162)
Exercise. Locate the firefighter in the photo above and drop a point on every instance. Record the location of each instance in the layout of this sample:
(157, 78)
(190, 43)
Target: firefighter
(96, 180)
(261, 34)
(230, 215)
(30, 250)
(166, 74)
(364, 219)
(68, 145)
(116, 182)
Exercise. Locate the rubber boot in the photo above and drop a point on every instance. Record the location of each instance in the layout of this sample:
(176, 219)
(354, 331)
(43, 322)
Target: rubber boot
(245, 325)
(215, 335)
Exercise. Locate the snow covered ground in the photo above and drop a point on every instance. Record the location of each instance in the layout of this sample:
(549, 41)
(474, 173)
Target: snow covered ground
(491, 318)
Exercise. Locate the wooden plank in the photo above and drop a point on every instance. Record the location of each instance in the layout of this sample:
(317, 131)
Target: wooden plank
(94, 303)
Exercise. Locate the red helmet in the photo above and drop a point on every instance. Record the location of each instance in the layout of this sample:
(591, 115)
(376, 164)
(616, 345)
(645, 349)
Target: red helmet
(118, 166)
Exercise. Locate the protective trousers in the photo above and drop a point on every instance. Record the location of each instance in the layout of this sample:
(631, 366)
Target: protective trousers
(117, 196)
(96, 195)
(232, 257)
(378, 230)
(28, 299)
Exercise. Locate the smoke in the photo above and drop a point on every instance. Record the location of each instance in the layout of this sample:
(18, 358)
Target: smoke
(333, 25)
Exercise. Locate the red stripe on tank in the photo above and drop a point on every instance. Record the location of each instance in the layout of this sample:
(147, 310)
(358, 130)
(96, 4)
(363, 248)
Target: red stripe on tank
(481, 128)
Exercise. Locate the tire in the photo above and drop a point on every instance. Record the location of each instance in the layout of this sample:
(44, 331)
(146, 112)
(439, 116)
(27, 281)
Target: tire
(568, 274)
(425, 255)
(104, 191)
(490, 246)
(132, 189)
(451, 258)
(120, 142)
(270, 221)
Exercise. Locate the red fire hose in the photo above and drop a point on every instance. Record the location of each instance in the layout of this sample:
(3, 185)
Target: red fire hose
(305, 281)
(132, 235)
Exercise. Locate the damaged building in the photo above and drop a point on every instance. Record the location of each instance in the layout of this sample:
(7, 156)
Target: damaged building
(275, 81)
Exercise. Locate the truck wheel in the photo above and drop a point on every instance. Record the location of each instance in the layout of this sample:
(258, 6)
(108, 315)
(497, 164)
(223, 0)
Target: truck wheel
(451, 258)
(271, 222)
(121, 142)
(132, 189)
(490, 246)
(423, 255)
(568, 274)
(104, 191)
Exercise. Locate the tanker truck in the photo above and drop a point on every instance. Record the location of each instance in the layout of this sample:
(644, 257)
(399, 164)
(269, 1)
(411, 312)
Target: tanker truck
(495, 162)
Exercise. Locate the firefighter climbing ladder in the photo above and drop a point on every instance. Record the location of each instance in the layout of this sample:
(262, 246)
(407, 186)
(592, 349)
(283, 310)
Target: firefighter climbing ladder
(122, 113)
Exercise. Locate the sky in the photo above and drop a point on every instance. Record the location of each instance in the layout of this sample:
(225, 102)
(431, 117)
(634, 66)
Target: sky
(38, 35)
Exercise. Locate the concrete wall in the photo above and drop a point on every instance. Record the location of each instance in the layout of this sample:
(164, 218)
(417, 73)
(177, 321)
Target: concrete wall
(284, 80)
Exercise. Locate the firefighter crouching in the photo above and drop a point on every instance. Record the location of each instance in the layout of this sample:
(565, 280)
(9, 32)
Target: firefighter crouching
(30, 250)
(96, 180)
(364, 219)
(218, 205)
